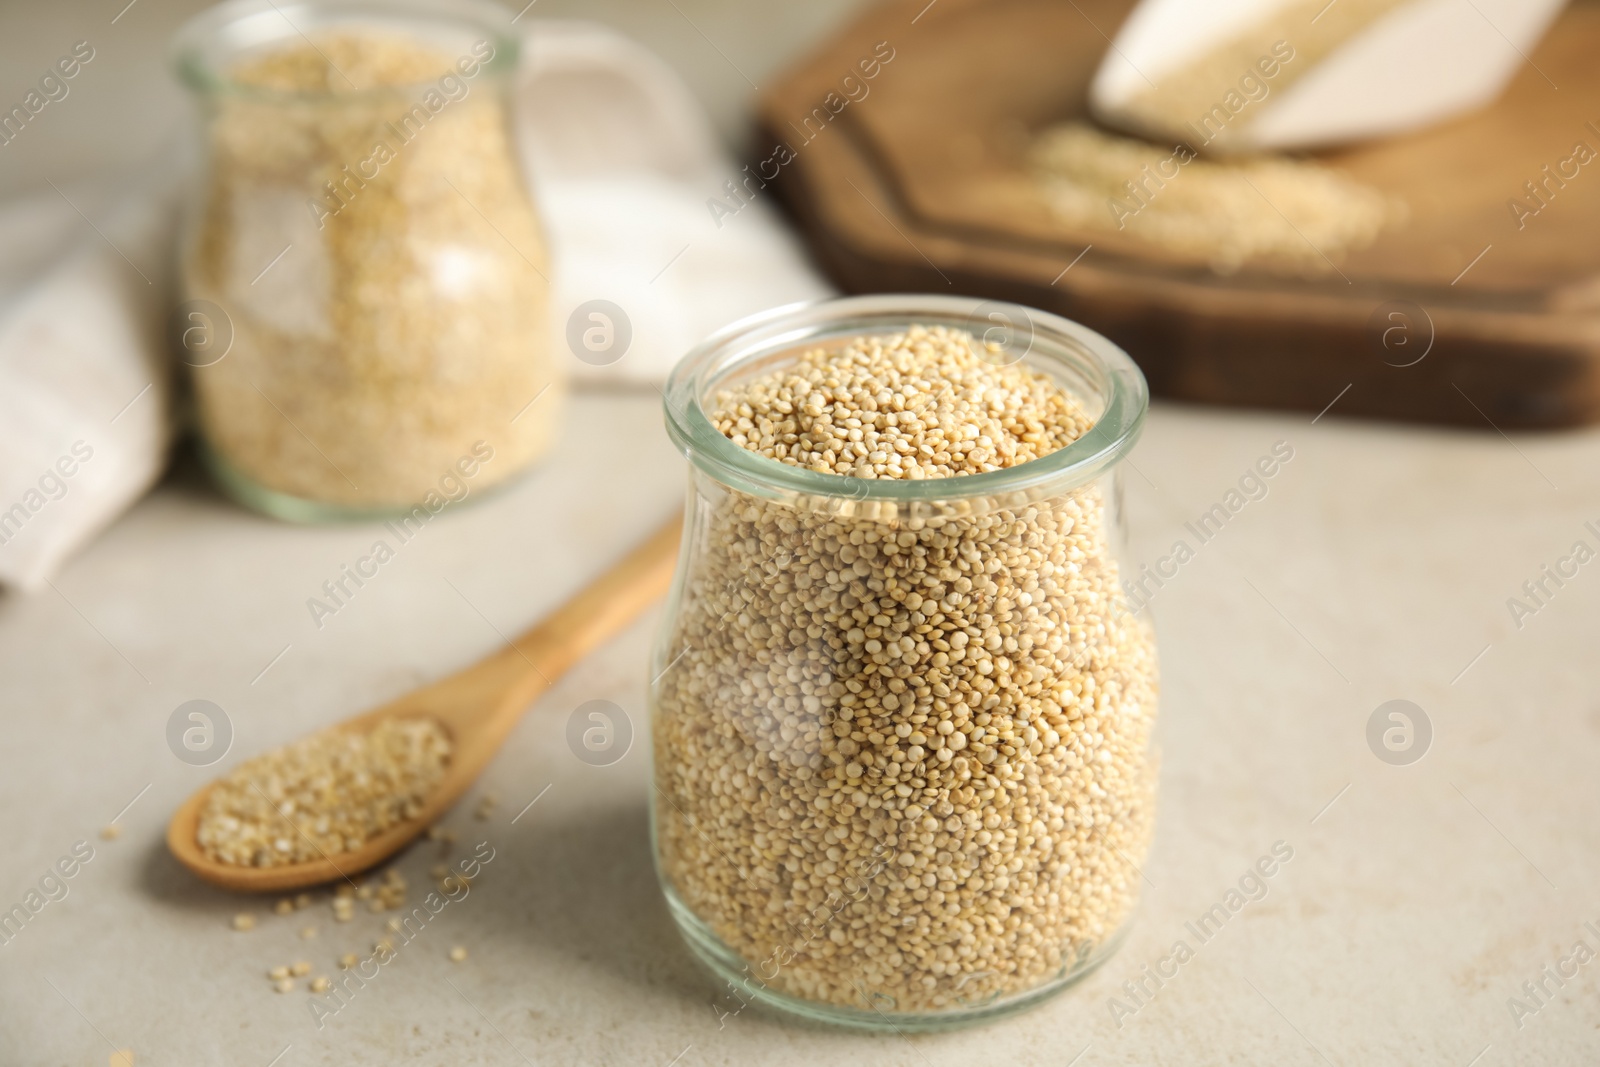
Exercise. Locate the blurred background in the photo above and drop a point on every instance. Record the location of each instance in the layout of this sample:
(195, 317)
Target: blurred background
(145, 108)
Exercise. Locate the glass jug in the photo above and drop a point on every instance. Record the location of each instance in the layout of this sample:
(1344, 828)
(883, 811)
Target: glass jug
(364, 274)
(902, 730)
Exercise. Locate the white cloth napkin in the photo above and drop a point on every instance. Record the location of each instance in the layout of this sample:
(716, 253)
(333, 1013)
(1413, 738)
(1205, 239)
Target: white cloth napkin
(85, 381)
(623, 164)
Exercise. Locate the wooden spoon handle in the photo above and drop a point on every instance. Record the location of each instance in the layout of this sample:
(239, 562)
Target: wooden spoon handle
(480, 704)
(492, 696)
(595, 614)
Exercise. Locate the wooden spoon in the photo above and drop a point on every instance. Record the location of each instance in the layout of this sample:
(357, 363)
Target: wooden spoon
(478, 706)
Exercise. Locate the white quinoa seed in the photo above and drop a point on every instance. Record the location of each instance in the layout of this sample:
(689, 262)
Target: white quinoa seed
(327, 794)
(926, 741)
(244, 921)
(924, 404)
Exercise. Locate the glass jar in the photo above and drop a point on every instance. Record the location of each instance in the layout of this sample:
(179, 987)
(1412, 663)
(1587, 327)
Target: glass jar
(902, 730)
(364, 274)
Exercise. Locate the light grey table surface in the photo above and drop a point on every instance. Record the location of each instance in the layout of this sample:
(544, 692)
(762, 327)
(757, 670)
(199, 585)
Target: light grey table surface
(1418, 902)
(1377, 567)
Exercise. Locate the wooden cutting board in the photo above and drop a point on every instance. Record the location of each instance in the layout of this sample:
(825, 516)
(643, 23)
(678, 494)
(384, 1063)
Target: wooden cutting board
(915, 180)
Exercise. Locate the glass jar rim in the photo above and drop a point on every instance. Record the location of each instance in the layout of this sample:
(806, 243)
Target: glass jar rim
(790, 327)
(247, 20)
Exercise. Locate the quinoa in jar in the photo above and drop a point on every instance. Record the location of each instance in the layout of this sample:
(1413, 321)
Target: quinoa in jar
(364, 242)
(902, 717)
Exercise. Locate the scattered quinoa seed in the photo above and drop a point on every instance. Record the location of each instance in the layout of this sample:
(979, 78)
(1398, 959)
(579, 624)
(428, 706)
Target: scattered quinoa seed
(320, 985)
(300, 969)
(278, 972)
(283, 907)
(284, 985)
(110, 832)
(244, 921)
(347, 961)
(1223, 213)
(458, 954)
(307, 933)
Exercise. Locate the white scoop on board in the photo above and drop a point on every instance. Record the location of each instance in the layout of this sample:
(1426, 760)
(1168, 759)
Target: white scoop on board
(1257, 75)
